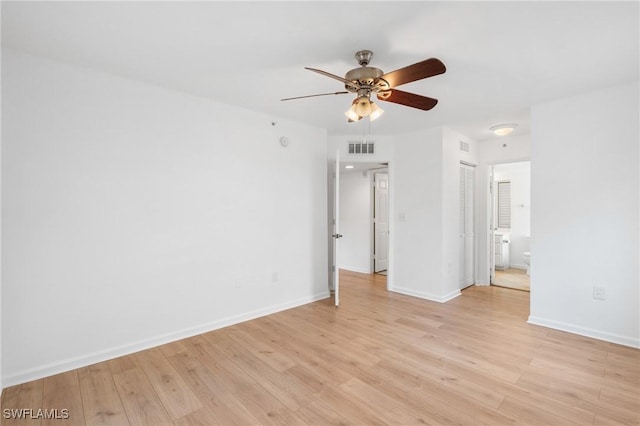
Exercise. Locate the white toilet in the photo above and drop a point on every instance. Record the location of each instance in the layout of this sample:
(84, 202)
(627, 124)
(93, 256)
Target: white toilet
(526, 256)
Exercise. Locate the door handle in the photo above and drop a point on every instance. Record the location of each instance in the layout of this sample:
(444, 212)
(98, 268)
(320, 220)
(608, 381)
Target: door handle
(337, 236)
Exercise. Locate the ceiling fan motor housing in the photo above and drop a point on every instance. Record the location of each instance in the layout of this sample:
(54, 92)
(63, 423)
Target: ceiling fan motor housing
(364, 76)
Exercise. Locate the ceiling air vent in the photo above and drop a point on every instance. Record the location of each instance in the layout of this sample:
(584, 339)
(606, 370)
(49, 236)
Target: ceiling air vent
(464, 146)
(361, 148)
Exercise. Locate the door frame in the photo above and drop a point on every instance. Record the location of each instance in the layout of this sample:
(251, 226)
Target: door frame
(474, 236)
(330, 198)
(335, 232)
(372, 186)
(489, 222)
(492, 228)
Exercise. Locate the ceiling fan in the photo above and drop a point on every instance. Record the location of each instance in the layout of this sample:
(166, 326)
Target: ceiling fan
(366, 80)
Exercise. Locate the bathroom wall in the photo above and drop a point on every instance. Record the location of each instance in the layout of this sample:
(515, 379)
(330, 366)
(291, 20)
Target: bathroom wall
(519, 174)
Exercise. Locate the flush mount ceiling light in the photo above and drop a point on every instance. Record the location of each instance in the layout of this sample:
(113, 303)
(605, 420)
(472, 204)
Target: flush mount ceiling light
(503, 129)
(366, 80)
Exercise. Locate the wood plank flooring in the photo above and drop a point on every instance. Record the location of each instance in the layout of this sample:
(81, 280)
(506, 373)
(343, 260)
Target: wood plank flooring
(380, 358)
(512, 278)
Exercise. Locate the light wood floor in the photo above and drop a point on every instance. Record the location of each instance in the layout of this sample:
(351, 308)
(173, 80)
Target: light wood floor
(380, 358)
(513, 278)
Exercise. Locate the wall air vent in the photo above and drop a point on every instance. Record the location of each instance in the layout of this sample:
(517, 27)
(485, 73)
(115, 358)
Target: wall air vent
(464, 146)
(361, 148)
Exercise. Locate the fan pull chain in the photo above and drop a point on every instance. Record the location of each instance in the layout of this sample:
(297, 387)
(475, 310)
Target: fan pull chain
(364, 138)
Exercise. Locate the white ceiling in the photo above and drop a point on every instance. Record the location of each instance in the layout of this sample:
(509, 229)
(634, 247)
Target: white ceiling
(501, 57)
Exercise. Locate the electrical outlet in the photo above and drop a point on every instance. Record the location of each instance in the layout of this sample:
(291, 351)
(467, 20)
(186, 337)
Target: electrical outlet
(599, 293)
(274, 277)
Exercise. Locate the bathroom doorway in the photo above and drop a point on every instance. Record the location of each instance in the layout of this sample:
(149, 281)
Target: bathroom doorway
(510, 202)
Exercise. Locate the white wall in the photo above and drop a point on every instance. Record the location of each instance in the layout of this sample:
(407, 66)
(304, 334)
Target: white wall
(1, 381)
(426, 187)
(134, 215)
(584, 214)
(493, 151)
(519, 174)
(355, 221)
(417, 186)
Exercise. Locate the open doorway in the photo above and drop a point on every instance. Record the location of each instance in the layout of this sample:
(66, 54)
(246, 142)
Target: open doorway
(364, 218)
(510, 201)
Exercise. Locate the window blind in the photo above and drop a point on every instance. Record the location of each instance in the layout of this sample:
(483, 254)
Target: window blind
(504, 204)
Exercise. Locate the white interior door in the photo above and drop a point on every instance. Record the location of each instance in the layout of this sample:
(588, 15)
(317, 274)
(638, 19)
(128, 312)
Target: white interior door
(467, 234)
(381, 221)
(336, 230)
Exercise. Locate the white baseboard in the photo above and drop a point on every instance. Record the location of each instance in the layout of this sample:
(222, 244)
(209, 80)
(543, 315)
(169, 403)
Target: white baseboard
(427, 296)
(105, 355)
(355, 269)
(588, 332)
(523, 267)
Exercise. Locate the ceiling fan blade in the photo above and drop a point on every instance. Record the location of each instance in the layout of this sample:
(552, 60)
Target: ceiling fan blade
(312, 96)
(336, 77)
(408, 99)
(418, 71)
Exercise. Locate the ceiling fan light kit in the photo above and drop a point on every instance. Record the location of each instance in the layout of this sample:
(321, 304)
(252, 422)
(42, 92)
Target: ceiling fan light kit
(376, 112)
(367, 80)
(363, 107)
(352, 114)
